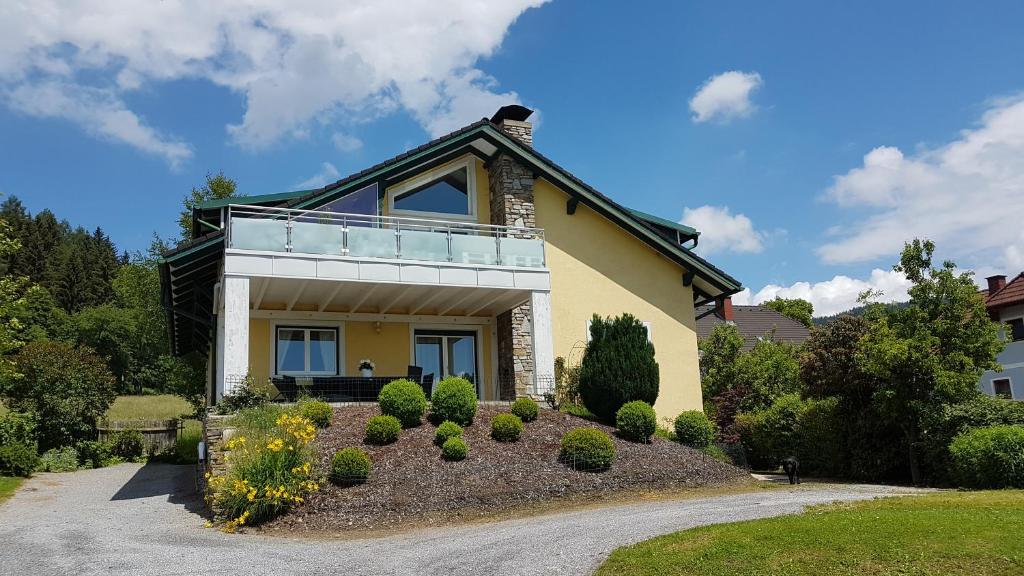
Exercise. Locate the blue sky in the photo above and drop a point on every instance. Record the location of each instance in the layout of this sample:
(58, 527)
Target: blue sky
(806, 140)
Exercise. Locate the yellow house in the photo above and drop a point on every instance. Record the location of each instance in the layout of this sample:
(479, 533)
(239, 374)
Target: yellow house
(471, 255)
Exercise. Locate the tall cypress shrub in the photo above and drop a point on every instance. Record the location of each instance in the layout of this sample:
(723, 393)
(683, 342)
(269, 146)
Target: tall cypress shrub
(618, 366)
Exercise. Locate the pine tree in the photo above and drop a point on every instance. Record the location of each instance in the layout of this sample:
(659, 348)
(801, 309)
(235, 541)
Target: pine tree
(618, 366)
(19, 227)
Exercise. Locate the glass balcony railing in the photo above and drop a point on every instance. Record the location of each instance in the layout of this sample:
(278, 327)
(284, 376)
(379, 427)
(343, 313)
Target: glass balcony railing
(384, 237)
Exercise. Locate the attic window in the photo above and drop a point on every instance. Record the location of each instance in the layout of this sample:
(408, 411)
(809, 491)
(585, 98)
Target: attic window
(447, 192)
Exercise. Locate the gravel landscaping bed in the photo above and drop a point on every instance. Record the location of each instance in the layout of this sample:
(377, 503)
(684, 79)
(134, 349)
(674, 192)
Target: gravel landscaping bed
(411, 485)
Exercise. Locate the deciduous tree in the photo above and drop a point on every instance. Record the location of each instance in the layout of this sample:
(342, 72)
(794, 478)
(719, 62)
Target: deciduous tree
(932, 352)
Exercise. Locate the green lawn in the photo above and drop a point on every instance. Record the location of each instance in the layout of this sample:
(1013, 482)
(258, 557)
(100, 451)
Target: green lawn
(969, 533)
(155, 407)
(8, 485)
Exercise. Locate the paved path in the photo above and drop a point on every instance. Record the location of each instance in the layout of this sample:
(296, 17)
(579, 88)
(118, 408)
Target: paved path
(133, 519)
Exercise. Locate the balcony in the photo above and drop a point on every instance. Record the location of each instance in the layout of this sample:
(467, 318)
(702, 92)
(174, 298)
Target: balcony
(290, 248)
(361, 236)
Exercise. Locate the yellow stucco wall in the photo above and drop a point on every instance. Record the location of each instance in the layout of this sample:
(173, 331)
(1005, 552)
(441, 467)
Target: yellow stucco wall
(389, 350)
(259, 349)
(596, 267)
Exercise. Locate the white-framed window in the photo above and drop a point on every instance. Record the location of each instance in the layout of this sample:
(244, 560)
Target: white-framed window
(448, 193)
(1001, 388)
(306, 350)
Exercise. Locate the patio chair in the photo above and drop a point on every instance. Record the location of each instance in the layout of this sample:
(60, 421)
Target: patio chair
(427, 382)
(287, 389)
(414, 373)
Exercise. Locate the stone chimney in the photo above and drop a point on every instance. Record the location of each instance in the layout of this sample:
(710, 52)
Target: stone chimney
(724, 308)
(511, 200)
(512, 120)
(995, 283)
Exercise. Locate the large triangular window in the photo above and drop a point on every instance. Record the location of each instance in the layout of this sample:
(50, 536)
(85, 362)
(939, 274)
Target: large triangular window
(447, 192)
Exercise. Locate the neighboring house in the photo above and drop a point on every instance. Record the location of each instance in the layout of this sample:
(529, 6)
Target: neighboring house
(472, 255)
(1005, 303)
(753, 322)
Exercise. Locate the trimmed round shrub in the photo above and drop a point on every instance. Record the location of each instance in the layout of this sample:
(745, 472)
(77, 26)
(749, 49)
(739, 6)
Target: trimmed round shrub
(454, 449)
(506, 427)
(127, 444)
(404, 400)
(18, 459)
(381, 430)
(694, 429)
(350, 466)
(618, 366)
(58, 460)
(317, 412)
(587, 449)
(526, 409)
(446, 430)
(991, 457)
(454, 399)
(636, 421)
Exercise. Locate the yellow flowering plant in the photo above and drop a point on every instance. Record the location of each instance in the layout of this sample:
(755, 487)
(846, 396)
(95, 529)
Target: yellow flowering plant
(268, 473)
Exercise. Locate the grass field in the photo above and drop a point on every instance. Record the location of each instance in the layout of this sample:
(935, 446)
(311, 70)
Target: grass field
(8, 485)
(156, 407)
(954, 533)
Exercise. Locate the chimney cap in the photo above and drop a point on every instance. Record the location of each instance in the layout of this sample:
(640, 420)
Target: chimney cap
(997, 277)
(511, 112)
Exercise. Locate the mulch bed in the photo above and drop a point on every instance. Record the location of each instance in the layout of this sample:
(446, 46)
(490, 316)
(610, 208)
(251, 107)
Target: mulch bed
(411, 485)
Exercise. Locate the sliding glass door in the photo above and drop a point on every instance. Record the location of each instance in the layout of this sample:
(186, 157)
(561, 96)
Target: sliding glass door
(447, 353)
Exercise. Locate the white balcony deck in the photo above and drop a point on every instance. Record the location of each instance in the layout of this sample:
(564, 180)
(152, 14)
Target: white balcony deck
(315, 245)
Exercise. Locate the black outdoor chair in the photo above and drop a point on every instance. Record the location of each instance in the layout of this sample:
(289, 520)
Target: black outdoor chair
(428, 384)
(287, 388)
(414, 373)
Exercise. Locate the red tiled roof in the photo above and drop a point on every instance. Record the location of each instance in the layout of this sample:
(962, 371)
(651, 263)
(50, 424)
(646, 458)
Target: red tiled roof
(1012, 293)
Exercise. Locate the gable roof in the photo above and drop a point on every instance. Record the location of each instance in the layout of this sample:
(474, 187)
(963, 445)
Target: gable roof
(194, 257)
(721, 284)
(754, 322)
(1012, 293)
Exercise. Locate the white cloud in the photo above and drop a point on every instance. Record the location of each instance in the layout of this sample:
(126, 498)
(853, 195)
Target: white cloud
(725, 96)
(99, 112)
(966, 195)
(328, 173)
(721, 231)
(294, 63)
(346, 142)
(833, 296)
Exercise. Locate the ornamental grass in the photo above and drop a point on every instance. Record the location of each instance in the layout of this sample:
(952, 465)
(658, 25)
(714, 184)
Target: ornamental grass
(267, 473)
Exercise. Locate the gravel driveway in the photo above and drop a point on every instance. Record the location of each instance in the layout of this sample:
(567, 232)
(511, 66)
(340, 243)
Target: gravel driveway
(134, 519)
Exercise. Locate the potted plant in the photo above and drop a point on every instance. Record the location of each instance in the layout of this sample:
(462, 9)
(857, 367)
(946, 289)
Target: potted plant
(366, 367)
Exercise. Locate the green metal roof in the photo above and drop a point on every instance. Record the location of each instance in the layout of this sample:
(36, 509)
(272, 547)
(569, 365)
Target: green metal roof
(260, 199)
(664, 223)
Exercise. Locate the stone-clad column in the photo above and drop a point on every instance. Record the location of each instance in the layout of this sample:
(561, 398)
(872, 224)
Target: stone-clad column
(511, 200)
(511, 195)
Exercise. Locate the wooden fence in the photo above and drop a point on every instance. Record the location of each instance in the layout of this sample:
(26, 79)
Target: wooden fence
(160, 435)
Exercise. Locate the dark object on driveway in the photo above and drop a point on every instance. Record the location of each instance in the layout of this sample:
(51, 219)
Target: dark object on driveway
(792, 467)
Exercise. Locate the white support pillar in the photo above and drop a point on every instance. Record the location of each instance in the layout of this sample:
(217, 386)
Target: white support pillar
(543, 343)
(232, 334)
